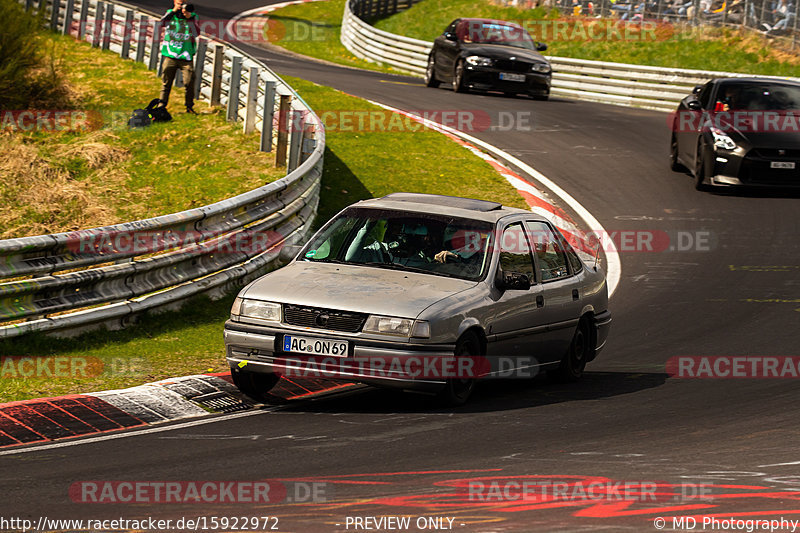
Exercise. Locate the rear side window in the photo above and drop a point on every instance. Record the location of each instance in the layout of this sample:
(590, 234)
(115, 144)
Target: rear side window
(550, 254)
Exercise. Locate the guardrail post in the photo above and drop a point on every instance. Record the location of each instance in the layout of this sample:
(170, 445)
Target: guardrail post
(107, 26)
(98, 24)
(252, 101)
(216, 76)
(54, 15)
(199, 66)
(67, 28)
(283, 130)
(233, 89)
(309, 143)
(141, 38)
(155, 41)
(82, 16)
(296, 139)
(127, 34)
(269, 113)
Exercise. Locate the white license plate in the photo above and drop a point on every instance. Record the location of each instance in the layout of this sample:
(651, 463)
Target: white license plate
(781, 164)
(510, 76)
(314, 346)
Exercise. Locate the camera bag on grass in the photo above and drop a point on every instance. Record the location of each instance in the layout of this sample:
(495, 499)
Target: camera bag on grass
(152, 113)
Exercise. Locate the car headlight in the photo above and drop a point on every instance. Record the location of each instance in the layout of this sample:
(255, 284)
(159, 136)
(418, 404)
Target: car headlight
(722, 140)
(257, 309)
(542, 68)
(390, 325)
(480, 61)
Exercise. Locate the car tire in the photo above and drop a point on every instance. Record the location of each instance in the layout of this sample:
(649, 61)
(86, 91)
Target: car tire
(457, 390)
(458, 77)
(700, 167)
(255, 385)
(541, 97)
(674, 164)
(574, 361)
(430, 73)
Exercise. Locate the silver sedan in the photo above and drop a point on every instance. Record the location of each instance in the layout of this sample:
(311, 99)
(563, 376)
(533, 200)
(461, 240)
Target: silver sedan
(421, 292)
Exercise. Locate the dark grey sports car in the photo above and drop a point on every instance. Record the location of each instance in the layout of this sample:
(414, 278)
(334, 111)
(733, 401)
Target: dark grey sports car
(489, 55)
(422, 292)
(739, 131)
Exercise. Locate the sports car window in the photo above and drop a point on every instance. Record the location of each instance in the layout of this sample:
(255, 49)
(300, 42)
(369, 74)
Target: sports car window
(399, 240)
(549, 251)
(481, 32)
(515, 253)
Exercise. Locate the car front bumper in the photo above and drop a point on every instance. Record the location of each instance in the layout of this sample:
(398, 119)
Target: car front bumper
(752, 169)
(488, 78)
(386, 364)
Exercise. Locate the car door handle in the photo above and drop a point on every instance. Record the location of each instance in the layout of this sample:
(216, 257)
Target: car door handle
(539, 301)
(575, 294)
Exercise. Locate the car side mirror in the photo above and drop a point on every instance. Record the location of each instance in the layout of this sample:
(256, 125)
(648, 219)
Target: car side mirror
(450, 36)
(694, 105)
(540, 47)
(288, 252)
(513, 281)
(697, 89)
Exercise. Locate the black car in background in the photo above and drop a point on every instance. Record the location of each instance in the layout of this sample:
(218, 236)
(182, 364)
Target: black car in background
(739, 131)
(489, 55)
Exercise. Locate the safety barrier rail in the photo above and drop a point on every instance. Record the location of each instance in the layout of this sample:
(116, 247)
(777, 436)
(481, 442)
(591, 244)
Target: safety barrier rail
(68, 282)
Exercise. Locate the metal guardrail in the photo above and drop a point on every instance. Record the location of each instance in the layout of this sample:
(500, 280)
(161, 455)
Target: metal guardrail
(599, 81)
(69, 282)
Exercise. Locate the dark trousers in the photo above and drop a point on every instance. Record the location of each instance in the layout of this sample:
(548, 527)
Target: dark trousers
(169, 67)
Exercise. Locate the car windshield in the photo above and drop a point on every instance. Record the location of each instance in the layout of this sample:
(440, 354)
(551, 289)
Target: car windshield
(762, 96)
(478, 32)
(401, 240)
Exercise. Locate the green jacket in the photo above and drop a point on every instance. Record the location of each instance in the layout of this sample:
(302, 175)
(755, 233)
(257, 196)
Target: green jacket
(180, 36)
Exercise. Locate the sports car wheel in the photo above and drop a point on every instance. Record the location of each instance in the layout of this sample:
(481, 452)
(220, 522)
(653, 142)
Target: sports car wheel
(700, 167)
(430, 74)
(458, 77)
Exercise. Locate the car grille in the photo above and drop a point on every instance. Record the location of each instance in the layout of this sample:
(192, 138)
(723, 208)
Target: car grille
(315, 317)
(758, 171)
(506, 65)
(775, 153)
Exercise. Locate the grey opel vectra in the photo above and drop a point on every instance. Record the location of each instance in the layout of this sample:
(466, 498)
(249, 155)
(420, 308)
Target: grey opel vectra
(421, 292)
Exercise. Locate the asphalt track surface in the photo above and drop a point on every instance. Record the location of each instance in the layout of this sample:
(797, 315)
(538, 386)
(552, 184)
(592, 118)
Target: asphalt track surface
(379, 453)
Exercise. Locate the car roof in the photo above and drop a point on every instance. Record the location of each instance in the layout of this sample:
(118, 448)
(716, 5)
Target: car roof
(755, 79)
(444, 205)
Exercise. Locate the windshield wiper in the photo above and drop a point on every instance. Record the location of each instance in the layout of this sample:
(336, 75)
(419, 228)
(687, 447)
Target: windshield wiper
(326, 260)
(398, 266)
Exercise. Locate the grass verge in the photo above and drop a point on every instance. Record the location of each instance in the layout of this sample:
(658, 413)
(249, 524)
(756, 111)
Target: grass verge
(313, 29)
(708, 48)
(60, 180)
(358, 165)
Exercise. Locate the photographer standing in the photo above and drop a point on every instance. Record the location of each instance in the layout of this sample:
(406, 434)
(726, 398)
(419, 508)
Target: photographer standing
(178, 49)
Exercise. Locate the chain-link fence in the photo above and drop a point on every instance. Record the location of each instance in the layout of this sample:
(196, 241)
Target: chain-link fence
(775, 19)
